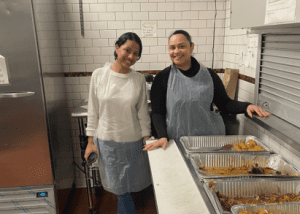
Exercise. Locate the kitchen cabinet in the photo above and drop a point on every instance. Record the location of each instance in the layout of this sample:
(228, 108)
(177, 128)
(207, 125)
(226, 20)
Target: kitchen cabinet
(248, 14)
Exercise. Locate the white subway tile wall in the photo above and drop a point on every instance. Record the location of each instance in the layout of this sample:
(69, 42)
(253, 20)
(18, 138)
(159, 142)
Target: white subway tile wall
(106, 20)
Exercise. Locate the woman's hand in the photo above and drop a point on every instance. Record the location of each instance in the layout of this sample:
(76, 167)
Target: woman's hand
(253, 109)
(162, 142)
(90, 148)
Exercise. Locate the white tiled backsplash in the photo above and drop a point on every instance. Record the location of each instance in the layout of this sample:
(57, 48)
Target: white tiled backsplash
(105, 20)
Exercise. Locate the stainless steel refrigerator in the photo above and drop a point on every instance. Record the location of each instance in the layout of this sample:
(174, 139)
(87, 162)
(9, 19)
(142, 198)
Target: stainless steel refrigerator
(36, 156)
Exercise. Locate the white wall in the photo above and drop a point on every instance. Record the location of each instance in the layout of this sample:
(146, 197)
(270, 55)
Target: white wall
(105, 20)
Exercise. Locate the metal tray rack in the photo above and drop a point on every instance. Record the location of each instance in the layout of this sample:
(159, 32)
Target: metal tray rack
(249, 188)
(204, 144)
(286, 208)
(225, 160)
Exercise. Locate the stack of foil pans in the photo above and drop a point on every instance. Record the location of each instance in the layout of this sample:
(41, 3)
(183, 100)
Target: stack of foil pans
(249, 188)
(202, 151)
(286, 208)
(229, 160)
(205, 144)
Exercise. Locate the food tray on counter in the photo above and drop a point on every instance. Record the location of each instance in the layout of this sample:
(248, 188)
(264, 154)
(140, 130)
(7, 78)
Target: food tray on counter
(225, 161)
(286, 208)
(250, 189)
(205, 144)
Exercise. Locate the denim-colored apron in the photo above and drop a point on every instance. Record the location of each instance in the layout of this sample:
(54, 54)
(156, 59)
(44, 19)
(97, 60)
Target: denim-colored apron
(124, 166)
(188, 105)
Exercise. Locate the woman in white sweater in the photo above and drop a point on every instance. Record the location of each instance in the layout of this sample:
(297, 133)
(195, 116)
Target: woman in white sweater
(118, 121)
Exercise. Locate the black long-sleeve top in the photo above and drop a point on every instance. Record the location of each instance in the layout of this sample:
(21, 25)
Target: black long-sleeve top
(159, 97)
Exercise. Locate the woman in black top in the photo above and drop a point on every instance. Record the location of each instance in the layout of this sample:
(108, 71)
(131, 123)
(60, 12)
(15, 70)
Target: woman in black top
(182, 96)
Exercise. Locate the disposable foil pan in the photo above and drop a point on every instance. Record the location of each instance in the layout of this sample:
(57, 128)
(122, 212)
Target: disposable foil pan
(205, 144)
(226, 160)
(249, 188)
(286, 208)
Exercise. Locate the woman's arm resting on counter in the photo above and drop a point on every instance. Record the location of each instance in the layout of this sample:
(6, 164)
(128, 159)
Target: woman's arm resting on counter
(162, 142)
(224, 103)
(222, 100)
(253, 109)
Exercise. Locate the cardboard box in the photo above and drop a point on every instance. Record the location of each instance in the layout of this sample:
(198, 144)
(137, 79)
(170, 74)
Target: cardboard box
(230, 80)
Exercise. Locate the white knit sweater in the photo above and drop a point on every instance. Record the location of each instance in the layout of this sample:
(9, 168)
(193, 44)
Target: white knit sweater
(117, 106)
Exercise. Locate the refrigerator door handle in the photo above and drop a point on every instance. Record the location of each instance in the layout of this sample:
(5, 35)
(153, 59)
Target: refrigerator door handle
(16, 94)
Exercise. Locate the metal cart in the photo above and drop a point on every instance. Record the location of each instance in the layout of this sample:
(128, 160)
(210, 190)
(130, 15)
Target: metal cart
(92, 175)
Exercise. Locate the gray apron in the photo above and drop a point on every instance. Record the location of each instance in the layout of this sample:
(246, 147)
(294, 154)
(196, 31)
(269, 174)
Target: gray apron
(188, 105)
(123, 166)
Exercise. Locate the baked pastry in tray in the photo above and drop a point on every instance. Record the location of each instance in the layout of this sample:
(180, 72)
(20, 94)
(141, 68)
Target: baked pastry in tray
(225, 194)
(235, 165)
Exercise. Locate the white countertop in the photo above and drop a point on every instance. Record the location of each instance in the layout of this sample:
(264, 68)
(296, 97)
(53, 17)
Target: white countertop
(175, 190)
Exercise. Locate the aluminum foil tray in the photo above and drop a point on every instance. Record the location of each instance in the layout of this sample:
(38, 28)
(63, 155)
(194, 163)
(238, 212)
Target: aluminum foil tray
(286, 208)
(196, 144)
(249, 188)
(226, 160)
